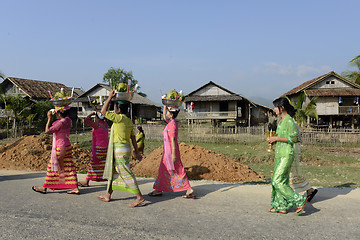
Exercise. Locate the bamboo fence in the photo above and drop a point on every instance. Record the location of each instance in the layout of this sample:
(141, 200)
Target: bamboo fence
(198, 133)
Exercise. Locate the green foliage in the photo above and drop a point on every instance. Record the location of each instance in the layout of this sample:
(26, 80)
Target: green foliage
(40, 109)
(353, 75)
(30, 118)
(304, 111)
(2, 75)
(115, 76)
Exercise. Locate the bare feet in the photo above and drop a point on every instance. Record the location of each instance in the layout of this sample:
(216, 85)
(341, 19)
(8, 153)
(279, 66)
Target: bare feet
(272, 210)
(139, 202)
(74, 191)
(155, 193)
(39, 189)
(189, 194)
(106, 197)
(83, 184)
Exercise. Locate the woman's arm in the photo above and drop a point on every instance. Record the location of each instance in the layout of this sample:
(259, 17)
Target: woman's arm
(133, 141)
(107, 102)
(277, 139)
(164, 112)
(49, 115)
(173, 149)
(91, 123)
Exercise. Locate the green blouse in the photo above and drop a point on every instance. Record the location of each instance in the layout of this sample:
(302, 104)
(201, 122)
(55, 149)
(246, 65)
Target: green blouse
(123, 127)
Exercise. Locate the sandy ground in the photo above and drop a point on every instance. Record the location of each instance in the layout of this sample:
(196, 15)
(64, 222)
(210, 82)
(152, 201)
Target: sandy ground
(221, 211)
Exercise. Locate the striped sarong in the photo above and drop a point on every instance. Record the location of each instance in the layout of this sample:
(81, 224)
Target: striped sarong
(297, 181)
(96, 171)
(52, 179)
(123, 178)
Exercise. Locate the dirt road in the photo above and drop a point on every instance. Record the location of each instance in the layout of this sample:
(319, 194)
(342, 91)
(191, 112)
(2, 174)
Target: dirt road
(221, 211)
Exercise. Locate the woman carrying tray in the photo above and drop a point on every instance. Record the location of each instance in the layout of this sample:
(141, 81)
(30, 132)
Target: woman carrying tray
(61, 172)
(100, 142)
(117, 168)
(172, 176)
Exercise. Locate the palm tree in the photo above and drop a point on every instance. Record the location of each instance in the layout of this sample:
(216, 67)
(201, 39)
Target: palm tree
(356, 59)
(303, 112)
(353, 75)
(2, 76)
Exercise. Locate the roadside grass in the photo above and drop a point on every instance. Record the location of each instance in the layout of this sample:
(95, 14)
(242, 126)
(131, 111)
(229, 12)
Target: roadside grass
(323, 167)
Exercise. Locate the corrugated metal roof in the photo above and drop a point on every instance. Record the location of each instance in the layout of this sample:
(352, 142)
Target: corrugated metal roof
(332, 92)
(312, 82)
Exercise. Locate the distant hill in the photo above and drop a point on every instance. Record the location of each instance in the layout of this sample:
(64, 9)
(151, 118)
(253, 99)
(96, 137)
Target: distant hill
(262, 101)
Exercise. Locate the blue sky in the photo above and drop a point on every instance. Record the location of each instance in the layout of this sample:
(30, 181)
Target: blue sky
(259, 49)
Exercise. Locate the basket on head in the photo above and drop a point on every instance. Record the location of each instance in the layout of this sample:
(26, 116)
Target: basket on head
(61, 102)
(168, 102)
(124, 96)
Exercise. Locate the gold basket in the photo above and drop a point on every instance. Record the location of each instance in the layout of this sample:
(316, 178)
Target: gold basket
(124, 96)
(61, 102)
(175, 103)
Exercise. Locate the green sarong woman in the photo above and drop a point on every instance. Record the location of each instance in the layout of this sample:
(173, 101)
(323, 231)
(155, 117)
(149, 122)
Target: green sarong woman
(283, 197)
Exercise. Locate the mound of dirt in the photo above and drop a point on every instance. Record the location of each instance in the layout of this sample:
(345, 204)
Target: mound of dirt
(33, 153)
(200, 163)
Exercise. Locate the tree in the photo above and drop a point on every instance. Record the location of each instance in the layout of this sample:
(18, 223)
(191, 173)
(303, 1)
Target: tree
(353, 75)
(20, 108)
(304, 111)
(115, 76)
(2, 76)
(40, 109)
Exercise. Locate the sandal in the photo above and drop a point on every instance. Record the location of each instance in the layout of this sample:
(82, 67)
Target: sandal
(155, 194)
(299, 210)
(80, 184)
(36, 189)
(272, 210)
(189, 196)
(312, 194)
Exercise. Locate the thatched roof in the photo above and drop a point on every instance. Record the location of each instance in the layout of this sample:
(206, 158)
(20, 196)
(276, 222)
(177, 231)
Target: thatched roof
(312, 82)
(231, 96)
(35, 89)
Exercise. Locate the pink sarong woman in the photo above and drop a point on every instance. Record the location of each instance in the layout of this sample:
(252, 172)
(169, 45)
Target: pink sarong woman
(61, 172)
(100, 142)
(172, 176)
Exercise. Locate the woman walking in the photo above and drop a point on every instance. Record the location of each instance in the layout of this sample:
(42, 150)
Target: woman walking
(117, 168)
(283, 197)
(140, 140)
(297, 181)
(100, 142)
(172, 176)
(61, 172)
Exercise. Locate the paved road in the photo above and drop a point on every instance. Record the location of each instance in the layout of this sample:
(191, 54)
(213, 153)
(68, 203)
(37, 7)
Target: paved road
(222, 211)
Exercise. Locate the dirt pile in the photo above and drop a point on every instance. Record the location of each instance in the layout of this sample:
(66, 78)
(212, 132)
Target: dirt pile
(200, 163)
(33, 153)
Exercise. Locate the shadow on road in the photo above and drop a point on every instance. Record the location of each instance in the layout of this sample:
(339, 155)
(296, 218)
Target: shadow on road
(329, 193)
(22, 176)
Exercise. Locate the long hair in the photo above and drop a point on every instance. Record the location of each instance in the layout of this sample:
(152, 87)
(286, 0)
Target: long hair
(123, 106)
(175, 113)
(141, 130)
(284, 102)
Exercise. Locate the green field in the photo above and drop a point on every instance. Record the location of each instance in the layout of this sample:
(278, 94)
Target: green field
(322, 166)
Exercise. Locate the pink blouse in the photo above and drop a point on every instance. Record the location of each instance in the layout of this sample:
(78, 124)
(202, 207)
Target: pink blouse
(61, 130)
(100, 132)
